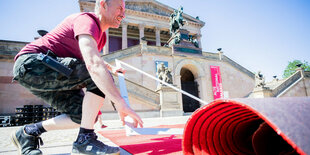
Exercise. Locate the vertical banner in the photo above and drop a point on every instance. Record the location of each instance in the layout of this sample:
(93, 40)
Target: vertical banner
(216, 82)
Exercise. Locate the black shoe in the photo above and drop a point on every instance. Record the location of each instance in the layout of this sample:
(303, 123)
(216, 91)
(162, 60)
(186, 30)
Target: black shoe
(26, 144)
(88, 144)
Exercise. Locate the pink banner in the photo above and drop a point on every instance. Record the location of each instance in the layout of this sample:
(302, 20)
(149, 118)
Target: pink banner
(216, 82)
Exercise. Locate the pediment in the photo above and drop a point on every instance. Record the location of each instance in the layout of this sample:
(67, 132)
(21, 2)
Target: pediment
(148, 6)
(151, 7)
(155, 7)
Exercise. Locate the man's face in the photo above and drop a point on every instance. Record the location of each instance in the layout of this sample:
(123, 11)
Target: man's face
(114, 12)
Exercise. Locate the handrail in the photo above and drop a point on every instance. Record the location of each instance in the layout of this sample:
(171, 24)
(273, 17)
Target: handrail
(119, 63)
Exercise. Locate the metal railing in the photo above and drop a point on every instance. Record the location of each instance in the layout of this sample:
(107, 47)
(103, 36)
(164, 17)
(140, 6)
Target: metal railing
(120, 63)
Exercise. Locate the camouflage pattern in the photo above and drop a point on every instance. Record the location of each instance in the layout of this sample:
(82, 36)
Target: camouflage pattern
(62, 93)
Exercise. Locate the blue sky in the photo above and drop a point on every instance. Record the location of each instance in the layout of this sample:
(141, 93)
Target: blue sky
(258, 34)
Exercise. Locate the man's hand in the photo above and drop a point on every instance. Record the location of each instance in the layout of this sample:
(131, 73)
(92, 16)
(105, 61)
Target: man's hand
(116, 70)
(124, 111)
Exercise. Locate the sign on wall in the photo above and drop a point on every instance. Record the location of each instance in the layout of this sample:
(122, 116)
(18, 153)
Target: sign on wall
(216, 82)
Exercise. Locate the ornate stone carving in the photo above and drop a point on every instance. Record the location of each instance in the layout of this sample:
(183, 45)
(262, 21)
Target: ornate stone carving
(259, 80)
(147, 7)
(163, 73)
(194, 41)
(167, 76)
(160, 70)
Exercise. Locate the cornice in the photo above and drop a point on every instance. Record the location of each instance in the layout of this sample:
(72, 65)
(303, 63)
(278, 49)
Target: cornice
(190, 20)
(159, 17)
(167, 8)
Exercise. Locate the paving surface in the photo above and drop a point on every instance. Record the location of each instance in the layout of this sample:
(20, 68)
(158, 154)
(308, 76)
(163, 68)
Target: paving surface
(60, 142)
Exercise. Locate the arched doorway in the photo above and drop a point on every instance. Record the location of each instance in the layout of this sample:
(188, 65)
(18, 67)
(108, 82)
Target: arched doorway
(189, 85)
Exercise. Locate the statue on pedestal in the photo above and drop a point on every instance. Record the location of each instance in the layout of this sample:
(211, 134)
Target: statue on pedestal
(167, 76)
(259, 80)
(176, 21)
(160, 70)
(180, 40)
(163, 73)
(194, 41)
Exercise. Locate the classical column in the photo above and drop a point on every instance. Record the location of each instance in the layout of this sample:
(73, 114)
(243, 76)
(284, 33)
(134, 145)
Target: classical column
(141, 31)
(199, 40)
(177, 79)
(106, 47)
(157, 33)
(124, 35)
(202, 87)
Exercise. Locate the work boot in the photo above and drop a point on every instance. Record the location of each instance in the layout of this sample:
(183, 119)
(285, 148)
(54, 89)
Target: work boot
(26, 144)
(88, 144)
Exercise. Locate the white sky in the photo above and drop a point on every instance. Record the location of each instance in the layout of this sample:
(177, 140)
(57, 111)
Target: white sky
(258, 34)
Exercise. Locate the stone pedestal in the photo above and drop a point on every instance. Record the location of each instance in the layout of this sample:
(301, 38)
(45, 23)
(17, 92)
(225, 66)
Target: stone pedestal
(262, 92)
(169, 102)
(180, 42)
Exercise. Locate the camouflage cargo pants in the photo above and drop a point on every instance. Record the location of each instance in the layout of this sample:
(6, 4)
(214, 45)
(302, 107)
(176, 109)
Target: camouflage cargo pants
(62, 93)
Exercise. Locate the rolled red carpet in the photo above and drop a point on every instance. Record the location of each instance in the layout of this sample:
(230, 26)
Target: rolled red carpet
(249, 126)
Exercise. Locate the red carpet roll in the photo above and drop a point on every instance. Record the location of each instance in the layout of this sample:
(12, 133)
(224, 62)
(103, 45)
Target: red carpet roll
(249, 126)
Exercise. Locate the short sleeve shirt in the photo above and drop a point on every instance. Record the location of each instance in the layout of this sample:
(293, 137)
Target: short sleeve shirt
(63, 40)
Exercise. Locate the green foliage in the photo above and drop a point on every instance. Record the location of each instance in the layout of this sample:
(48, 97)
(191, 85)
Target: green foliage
(291, 67)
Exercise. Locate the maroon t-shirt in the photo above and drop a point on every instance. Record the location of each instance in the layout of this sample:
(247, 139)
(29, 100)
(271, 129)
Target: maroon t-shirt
(63, 39)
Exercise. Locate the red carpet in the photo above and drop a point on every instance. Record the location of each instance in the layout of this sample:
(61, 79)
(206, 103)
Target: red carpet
(239, 126)
(249, 126)
(147, 144)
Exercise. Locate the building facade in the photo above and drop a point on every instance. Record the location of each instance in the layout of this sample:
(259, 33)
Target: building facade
(140, 42)
(12, 94)
(148, 19)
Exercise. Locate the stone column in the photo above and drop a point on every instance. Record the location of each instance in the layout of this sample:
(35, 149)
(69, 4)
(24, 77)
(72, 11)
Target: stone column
(177, 82)
(199, 40)
(141, 31)
(202, 85)
(124, 35)
(157, 33)
(220, 54)
(262, 92)
(169, 103)
(106, 47)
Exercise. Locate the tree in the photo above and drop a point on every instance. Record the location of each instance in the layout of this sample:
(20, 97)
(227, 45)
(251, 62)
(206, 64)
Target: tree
(291, 67)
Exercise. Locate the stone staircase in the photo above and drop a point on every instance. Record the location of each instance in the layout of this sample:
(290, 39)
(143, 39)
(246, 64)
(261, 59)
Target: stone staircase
(277, 88)
(286, 84)
(150, 97)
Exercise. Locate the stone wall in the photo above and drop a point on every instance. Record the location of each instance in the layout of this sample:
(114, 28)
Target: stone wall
(8, 49)
(237, 82)
(307, 83)
(300, 89)
(12, 94)
(297, 90)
